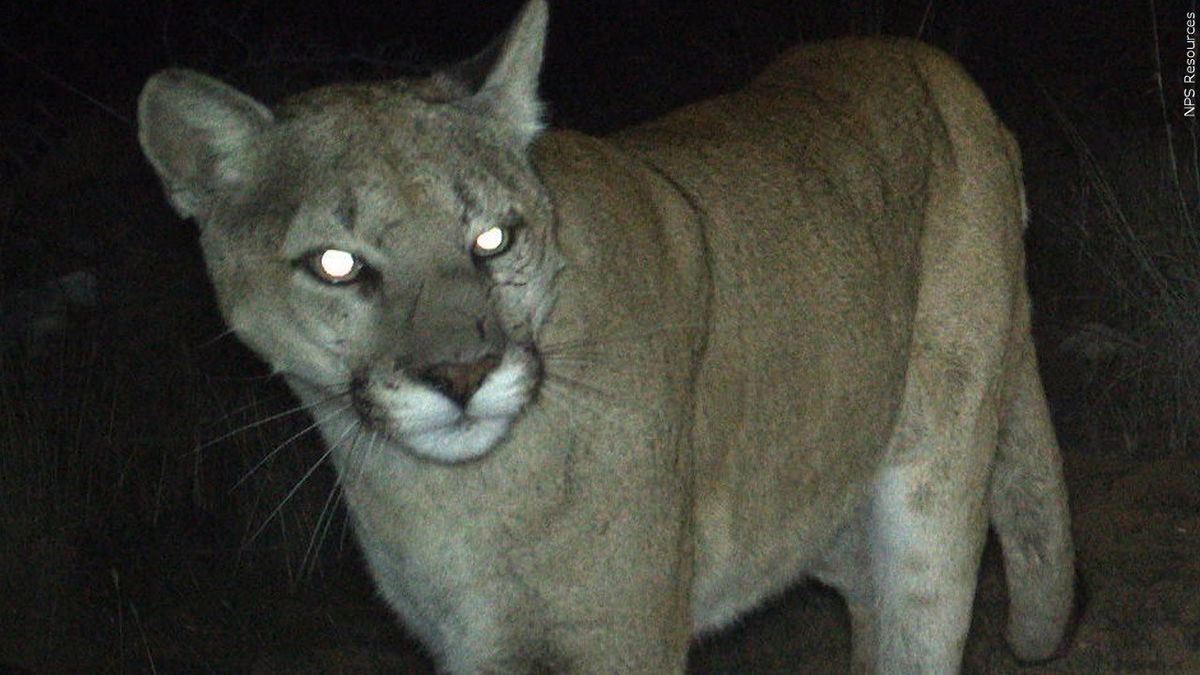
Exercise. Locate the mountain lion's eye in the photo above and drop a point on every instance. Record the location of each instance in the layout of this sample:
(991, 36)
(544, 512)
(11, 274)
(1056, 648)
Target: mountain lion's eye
(334, 266)
(492, 241)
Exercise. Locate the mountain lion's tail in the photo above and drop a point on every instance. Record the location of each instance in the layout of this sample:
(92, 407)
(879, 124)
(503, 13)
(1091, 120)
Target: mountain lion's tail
(1027, 503)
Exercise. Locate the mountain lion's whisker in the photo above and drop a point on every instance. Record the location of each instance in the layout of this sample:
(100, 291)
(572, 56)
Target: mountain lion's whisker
(286, 442)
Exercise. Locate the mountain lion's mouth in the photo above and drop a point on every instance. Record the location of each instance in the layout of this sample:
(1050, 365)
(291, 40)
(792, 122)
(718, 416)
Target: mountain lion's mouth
(449, 412)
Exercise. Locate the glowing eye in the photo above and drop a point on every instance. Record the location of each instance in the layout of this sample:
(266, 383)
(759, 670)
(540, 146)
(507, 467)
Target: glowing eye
(334, 266)
(337, 264)
(492, 241)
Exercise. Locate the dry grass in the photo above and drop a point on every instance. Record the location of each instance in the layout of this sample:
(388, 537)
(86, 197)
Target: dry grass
(1134, 220)
(128, 485)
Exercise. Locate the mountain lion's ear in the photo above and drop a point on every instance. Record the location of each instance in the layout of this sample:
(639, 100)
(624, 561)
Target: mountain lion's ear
(195, 131)
(504, 76)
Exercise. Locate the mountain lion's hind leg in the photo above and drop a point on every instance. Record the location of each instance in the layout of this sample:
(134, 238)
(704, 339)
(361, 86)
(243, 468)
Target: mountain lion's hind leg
(928, 520)
(906, 566)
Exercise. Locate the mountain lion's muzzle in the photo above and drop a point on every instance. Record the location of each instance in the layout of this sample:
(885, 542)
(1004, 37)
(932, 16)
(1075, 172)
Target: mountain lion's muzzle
(447, 412)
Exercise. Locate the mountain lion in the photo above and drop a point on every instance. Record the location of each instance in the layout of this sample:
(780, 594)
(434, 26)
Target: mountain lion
(591, 397)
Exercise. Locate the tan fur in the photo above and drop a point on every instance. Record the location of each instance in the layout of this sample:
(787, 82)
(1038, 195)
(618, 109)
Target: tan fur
(783, 332)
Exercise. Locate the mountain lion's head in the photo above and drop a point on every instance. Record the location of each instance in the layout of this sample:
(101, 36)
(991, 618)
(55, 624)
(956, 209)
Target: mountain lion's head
(385, 246)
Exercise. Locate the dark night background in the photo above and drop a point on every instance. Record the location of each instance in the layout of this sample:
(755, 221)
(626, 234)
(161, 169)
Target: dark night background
(138, 532)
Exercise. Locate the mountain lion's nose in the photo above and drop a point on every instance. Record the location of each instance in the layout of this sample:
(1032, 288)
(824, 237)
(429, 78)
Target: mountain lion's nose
(458, 381)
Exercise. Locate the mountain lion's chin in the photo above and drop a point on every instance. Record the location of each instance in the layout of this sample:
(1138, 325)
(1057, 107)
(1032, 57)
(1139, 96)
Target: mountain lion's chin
(431, 425)
(464, 440)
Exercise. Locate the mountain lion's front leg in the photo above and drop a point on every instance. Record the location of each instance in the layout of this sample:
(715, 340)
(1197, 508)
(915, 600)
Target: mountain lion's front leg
(612, 591)
(586, 572)
(612, 577)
